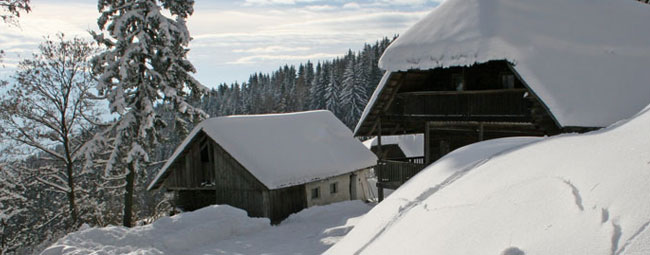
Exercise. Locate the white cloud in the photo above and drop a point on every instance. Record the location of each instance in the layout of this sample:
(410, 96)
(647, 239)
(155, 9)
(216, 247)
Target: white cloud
(272, 49)
(320, 8)
(256, 58)
(235, 38)
(351, 5)
(410, 2)
(268, 2)
(277, 2)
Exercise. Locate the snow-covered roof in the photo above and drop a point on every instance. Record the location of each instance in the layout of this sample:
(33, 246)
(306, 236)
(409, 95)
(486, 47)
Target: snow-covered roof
(411, 145)
(587, 60)
(283, 150)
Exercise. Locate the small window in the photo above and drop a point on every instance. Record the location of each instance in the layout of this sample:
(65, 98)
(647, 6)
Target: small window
(334, 187)
(508, 81)
(315, 193)
(205, 154)
(458, 81)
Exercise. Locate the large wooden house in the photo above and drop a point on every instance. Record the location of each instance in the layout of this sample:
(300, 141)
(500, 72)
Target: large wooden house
(473, 70)
(269, 165)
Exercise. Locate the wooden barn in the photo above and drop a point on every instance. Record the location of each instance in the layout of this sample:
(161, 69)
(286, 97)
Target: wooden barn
(469, 72)
(269, 165)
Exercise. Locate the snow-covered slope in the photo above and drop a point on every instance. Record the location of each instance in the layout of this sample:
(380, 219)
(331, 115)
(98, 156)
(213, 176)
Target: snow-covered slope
(586, 59)
(569, 194)
(220, 229)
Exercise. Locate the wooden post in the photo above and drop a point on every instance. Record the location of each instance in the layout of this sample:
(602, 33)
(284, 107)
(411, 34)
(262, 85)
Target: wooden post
(427, 144)
(215, 166)
(379, 150)
(380, 188)
(480, 131)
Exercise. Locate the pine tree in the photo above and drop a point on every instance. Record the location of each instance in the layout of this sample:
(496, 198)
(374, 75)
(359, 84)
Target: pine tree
(145, 62)
(317, 90)
(332, 91)
(354, 95)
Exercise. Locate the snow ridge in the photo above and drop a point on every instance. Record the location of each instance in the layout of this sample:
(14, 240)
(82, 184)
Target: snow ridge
(633, 237)
(576, 194)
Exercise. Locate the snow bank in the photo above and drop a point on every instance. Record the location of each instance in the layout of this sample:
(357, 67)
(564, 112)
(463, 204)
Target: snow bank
(569, 194)
(220, 230)
(586, 59)
(168, 235)
(311, 231)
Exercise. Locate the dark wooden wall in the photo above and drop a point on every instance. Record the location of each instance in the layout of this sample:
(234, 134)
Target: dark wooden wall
(206, 174)
(194, 168)
(284, 202)
(486, 76)
(190, 200)
(237, 187)
(389, 151)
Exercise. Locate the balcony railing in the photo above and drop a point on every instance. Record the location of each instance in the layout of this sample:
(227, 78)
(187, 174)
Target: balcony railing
(497, 105)
(398, 172)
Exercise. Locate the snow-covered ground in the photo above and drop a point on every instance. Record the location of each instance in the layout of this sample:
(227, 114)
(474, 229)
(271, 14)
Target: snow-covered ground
(220, 230)
(567, 194)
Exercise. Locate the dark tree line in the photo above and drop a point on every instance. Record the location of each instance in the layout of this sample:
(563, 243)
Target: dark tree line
(342, 85)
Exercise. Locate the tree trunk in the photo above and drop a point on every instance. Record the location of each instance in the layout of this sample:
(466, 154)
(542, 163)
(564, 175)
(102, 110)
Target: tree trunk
(71, 196)
(2, 238)
(70, 172)
(128, 196)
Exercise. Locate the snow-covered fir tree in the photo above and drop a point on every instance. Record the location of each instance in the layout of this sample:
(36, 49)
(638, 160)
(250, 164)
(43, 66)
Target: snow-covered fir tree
(289, 89)
(332, 93)
(145, 63)
(317, 90)
(353, 95)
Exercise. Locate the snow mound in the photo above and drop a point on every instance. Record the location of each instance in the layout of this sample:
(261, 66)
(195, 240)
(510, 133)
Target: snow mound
(168, 235)
(568, 194)
(220, 229)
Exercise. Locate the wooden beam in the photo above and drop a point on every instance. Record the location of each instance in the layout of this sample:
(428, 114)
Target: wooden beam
(464, 92)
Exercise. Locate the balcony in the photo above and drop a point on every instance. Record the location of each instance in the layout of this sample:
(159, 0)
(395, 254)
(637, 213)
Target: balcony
(504, 105)
(391, 173)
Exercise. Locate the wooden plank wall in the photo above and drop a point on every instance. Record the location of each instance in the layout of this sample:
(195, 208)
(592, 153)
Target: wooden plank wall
(206, 174)
(235, 186)
(191, 170)
(286, 201)
(223, 180)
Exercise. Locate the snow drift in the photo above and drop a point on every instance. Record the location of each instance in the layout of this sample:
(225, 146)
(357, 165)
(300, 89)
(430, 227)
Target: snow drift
(569, 194)
(168, 235)
(219, 229)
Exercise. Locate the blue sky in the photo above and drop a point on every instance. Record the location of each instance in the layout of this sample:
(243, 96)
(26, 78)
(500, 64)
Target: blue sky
(233, 39)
